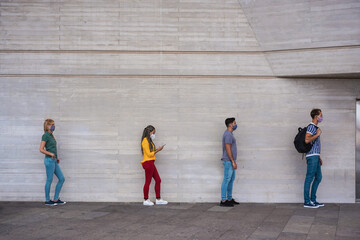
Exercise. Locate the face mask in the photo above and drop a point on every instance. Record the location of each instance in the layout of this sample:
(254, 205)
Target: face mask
(152, 136)
(52, 128)
(320, 119)
(234, 127)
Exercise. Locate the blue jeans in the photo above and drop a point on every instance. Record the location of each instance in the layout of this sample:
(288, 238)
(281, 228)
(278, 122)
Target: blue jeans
(227, 184)
(52, 167)
(313, 175)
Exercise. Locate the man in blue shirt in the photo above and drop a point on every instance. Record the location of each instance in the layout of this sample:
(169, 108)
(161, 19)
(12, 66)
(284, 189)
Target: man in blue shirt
(229, 161)
(313, 160)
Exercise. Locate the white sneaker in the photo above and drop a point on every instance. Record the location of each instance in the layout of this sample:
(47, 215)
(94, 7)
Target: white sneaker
(161, 202)
(148, 203)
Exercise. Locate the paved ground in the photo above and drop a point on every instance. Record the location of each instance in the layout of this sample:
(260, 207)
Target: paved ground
(178, 221)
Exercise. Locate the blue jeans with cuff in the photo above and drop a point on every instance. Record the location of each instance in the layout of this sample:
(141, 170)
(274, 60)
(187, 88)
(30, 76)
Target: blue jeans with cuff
(314, 176)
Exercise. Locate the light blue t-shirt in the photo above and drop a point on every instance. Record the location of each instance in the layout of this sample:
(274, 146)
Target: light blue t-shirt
(228, 138)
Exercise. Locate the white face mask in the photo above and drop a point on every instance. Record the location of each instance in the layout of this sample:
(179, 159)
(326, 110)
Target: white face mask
(152, 136)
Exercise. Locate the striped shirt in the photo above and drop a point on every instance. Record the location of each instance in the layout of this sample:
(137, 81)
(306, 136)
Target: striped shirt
(316, 146)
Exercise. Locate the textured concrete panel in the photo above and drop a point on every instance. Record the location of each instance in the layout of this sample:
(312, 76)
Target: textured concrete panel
(100, 120)
(134, 63)
(286, 29)
(193, 25)
(312, 62)
(291, 24)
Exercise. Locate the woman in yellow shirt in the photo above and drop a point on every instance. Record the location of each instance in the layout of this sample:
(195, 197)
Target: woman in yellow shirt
(148, 163)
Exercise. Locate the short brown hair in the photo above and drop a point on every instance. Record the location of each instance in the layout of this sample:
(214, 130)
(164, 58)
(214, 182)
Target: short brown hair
(315, 112)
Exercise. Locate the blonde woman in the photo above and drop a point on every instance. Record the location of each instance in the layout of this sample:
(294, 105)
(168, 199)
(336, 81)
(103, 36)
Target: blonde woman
(148, 163)
(51, 161)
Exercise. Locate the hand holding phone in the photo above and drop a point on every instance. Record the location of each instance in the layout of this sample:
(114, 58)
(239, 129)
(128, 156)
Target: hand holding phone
(160, 148)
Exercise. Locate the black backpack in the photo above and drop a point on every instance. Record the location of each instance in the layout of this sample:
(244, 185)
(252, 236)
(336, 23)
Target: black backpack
(299, 141)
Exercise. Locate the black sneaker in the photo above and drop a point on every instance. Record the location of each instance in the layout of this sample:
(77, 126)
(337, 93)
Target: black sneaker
(233, 202)
(59, 202)
(318, 204)
(226, 204)
(50, 203)
(310, 205)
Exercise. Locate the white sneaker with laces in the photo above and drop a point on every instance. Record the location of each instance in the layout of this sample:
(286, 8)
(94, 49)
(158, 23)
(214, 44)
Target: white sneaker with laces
(148, 203)
(161, 202)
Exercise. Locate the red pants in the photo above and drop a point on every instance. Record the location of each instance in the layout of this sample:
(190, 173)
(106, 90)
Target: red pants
(151, 172)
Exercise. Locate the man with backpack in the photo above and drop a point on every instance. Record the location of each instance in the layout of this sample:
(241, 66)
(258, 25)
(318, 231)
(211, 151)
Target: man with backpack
(313, 160)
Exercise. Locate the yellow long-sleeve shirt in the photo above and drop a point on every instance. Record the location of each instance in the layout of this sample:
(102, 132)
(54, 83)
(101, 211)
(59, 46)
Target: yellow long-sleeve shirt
(148, 156)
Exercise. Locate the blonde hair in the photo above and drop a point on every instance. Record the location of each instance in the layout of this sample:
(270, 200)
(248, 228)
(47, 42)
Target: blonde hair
(47, 123)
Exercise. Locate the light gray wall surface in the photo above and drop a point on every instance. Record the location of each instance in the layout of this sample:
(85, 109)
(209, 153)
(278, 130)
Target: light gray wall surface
(292, 24)
(103, 70)
(186, 25)
(100, 120)
(307, 37)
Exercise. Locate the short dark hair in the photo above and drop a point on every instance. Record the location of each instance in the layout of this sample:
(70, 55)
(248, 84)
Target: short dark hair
(229, 121)
(315, 112)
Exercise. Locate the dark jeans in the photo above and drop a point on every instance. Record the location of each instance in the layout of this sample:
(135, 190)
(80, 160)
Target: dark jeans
(313, 175)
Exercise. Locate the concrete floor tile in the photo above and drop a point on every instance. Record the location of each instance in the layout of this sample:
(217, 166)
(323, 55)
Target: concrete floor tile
(179, 206)
(327, 213)
(289, 205)
(268, 230)
(219, 209)
(210, 233)
(343, 238)
(255, 217)
(109, 221)
(237, 233)
(322, 231)
(326, 221)
(305, 212)
(261, 238)
(319, 237)
(299, 224)
(292, 236)
(349, 221)
(345, 231)
(182, 232)
(278, 218)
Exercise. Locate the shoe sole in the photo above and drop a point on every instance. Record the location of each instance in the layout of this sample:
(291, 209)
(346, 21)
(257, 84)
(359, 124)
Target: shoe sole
(161, 204)
(310, 207)
(148, 205)
(51, 205)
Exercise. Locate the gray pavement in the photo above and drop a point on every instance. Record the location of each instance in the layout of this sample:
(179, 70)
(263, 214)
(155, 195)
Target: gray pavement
(32, 220)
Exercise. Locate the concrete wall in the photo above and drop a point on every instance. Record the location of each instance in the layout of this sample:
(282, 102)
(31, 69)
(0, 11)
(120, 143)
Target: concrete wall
(309, 37)
(184, 25)
(100, 121)
(106, 69)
